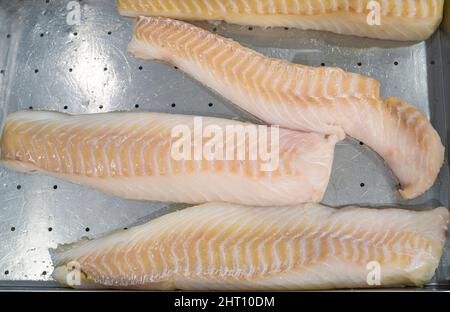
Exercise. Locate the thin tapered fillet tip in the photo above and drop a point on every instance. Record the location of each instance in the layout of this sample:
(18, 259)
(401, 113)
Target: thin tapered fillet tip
(60, 274)
(73, 278)
(427, 146)
(67, 271)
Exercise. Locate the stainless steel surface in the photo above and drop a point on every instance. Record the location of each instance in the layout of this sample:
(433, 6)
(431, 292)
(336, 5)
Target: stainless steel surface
(48, 64)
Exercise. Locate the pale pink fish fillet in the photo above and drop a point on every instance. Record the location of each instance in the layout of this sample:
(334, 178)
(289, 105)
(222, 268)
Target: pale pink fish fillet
(398, 19)
(324, 100)
(130, 155)
(230, 247)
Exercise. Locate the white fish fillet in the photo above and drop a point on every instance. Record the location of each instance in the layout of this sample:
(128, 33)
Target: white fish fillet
(225, 246)
(324, 100)
(130, 155)
(398, 19)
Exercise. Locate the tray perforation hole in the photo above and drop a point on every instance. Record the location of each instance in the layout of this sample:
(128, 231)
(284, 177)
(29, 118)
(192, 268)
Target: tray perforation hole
(6, 272)
(36, 71)
(30, 107)
(100, 106)
(176, 67)
(432, 62)
(2, 71)
(13, 228)
(87, 229)
(210, 104)
(359, 64)
(8, 36)
(19, 186)
(44, 273)
(141, 68)
(70, 70)
(136, 105)
(65, 107)
(55, 187)
(109, 32)
(396, 63)
(41, 35)
(322, 64)
(50, 229)
(362, 184)
(173, 104)
(75, 34)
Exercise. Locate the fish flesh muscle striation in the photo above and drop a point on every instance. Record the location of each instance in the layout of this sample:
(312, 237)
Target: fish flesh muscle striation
(403, 20)
(131, 155)
(219, 246)
(323, 100)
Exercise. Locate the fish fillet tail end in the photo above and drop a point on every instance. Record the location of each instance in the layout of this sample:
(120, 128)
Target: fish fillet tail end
(422, 152)
(68, 272)
(136, 46)
(437, 227)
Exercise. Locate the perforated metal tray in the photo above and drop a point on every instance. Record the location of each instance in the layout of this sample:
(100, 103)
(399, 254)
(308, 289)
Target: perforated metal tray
(46, 63)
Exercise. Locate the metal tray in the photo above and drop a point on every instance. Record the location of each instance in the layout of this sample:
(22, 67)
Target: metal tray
(46, 63)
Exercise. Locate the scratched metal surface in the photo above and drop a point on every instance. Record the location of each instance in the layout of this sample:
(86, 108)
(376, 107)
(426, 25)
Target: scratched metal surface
(47, 64)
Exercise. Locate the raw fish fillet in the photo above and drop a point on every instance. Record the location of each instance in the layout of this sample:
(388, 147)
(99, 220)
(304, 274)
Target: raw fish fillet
(408, 20)
(130, 155)
(224, 246)
(323, 100)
